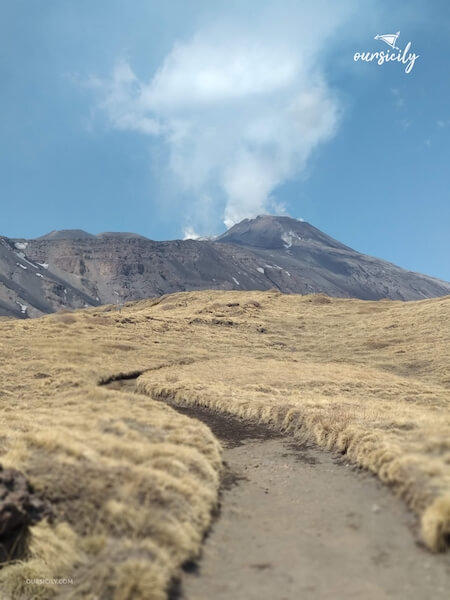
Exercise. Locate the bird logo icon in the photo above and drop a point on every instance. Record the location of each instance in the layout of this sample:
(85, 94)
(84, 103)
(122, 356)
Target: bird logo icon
(389, 38)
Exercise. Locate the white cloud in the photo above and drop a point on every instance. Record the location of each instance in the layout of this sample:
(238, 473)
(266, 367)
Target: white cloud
(240, 106)
(201, 73)
(119, 101)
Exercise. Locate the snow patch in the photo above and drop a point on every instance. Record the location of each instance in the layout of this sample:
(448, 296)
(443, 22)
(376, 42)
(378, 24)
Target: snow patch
(20, 245)
(22, 256)
(235, 281)
(23, 307)
(43, 265)
(260, 270)
(287, 240)
(288, 237)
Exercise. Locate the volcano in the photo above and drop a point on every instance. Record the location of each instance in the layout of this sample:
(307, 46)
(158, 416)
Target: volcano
(72, 268)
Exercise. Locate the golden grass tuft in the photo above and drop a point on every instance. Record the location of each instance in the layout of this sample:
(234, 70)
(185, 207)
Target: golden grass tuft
(133, 483)
(436, 524)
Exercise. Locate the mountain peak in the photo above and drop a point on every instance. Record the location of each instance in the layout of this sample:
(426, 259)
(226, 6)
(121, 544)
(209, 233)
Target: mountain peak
(276, 232)
(66, 234)
(80, 234)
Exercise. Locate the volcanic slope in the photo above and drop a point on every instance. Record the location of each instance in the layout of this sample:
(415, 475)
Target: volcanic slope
(258, 254)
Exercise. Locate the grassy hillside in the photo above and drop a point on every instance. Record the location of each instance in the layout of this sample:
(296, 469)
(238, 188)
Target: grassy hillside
(133, 483)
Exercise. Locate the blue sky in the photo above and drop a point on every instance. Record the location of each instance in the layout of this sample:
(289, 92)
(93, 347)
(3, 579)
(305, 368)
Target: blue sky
(175, 117)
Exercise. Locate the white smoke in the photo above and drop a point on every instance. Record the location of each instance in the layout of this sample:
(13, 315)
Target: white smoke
(240, 108)
(190, 234)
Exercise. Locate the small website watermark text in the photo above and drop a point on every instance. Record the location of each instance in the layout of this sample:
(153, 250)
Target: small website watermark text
(49, 581)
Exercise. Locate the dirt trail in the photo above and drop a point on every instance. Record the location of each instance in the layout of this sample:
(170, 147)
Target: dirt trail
(300, 523)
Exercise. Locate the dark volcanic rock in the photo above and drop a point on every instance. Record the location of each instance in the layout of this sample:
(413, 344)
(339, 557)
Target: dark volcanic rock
(19, 508)
(72, 268)
(276, 233)
(29, 288)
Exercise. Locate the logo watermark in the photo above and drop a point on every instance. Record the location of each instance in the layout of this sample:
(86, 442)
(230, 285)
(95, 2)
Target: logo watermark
(384, 56)
(49, 581)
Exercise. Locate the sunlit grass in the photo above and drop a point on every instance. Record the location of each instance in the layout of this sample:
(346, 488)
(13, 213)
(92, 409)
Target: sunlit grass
(133, 483)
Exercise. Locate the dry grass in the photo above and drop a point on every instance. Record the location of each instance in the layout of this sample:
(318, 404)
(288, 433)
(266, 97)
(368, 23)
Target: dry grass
(133, 483)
